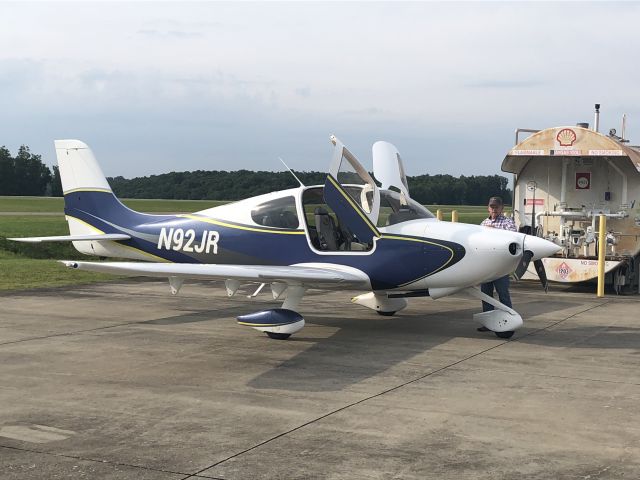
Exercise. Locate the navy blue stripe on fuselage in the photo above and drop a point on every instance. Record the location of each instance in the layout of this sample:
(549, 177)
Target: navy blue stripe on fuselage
(105, 205)
(395, 261)
(102, 210)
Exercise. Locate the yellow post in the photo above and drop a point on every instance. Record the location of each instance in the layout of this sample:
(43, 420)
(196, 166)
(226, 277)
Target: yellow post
(439, 214)
(454, 215)
(602, 248)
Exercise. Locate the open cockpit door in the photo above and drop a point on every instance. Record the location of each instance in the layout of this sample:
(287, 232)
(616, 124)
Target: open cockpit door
(388, 168)
(352, 194)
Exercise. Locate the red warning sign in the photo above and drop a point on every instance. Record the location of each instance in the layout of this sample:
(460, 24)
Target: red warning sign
(563, 270)
(583, 180)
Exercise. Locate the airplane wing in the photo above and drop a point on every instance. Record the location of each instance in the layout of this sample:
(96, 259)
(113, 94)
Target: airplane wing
(73, 238)
(292, 274)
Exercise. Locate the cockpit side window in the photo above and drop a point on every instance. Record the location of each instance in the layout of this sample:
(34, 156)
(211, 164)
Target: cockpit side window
(396, 208)
(278, 213)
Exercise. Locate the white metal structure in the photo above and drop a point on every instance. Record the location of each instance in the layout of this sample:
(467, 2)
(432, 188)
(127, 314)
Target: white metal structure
(565, 178)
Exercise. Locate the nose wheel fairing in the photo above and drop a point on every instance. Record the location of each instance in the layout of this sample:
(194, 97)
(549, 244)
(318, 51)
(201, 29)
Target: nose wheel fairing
(501, 319)
(278, 323)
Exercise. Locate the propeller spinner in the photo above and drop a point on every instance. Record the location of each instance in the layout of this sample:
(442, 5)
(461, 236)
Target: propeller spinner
(535, 248)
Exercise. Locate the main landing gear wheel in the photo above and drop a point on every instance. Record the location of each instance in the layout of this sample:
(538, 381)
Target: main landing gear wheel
(507, 334)
(386, 314)
(281, 336)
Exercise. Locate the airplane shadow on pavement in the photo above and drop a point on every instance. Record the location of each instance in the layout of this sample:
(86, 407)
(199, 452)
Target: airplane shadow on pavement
(365, 347)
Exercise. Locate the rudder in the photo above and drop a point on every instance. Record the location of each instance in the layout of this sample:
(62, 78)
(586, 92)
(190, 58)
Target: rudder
(90, 206)
(79, 169)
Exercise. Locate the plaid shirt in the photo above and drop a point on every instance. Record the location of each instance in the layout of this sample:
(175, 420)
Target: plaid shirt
(505, 223)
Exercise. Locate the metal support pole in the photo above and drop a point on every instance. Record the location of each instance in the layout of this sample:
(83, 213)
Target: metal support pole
(439, 214)
(602, 248)
(454, 216)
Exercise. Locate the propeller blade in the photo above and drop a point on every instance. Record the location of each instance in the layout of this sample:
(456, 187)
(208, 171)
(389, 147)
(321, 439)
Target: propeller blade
(542, 274)
(524, 264)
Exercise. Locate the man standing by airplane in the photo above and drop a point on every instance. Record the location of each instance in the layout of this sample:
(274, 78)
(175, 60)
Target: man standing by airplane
(497, 219)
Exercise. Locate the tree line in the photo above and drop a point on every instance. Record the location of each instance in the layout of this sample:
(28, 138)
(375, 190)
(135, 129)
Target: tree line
(235, 185)
(25, 174)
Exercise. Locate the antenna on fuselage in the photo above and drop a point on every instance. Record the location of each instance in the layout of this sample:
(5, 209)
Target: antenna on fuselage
(294, 175)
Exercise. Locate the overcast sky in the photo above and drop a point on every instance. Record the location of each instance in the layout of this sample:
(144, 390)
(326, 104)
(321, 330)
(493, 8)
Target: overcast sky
(155, 87)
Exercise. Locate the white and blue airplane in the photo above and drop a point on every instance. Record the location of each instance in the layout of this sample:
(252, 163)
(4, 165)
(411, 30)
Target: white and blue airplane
(348, 234)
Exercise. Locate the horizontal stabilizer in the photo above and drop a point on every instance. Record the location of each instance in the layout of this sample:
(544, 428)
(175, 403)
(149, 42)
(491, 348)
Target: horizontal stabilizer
(251, 273)
(74, 238)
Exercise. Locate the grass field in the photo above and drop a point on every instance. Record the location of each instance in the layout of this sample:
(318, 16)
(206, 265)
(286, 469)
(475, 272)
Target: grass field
(55, 205)
(466, 213)
(24, 265)
(20, 273)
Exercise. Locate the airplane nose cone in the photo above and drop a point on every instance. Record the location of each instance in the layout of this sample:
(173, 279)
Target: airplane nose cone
(540, 247)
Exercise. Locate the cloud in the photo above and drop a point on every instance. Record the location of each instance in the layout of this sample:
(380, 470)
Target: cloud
(234, 85)
(169, 34)
(19, 75)
(505, 83)
(304, 92)
(365, 111)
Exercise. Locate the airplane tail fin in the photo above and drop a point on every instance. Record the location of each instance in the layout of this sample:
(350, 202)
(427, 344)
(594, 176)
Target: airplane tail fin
(79, 169)
(90, 206)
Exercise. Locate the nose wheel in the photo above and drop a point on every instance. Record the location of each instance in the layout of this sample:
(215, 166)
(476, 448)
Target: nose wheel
(281, 336)
(507, 334)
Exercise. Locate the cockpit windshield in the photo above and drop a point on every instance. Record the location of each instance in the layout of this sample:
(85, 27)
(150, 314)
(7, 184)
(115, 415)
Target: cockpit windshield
(396, 208)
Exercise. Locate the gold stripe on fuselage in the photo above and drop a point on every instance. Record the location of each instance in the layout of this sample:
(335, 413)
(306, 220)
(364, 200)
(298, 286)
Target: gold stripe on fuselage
(97, 230)
(242, 227)
(419, 240)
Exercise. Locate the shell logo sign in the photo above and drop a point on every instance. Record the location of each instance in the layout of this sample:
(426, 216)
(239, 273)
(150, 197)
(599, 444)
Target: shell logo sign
(563, 270)
(566, 137)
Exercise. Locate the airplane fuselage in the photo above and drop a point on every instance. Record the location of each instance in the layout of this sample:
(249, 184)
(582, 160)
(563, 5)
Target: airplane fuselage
(409, 256)
(349, 234)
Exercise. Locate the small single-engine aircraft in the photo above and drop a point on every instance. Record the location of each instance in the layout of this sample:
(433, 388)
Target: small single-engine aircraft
(348, 234)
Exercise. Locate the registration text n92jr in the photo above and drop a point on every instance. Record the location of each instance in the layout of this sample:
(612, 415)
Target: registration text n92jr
(179, 239)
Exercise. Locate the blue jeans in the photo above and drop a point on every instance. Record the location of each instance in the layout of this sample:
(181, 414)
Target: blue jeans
(502, 287)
